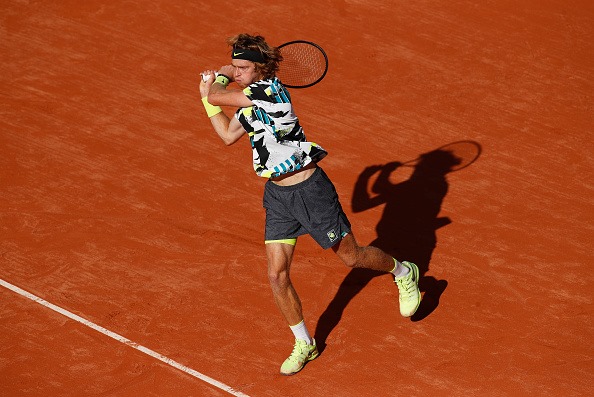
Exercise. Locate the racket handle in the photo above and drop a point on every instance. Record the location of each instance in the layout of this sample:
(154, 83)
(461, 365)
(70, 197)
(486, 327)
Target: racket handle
(206, 76)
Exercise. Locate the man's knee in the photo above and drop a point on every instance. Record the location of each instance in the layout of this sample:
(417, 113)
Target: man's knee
(278, 272)
(347, 250)
(277, 277)
(350, 258)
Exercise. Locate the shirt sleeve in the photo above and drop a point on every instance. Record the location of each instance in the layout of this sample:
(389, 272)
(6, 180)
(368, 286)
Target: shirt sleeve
(257, 93)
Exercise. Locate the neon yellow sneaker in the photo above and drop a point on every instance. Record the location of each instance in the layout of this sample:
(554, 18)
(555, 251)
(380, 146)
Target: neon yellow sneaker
(408, 288)
(302, 353)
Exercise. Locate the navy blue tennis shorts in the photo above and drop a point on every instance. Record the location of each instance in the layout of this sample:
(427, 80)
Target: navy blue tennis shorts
(310, 207)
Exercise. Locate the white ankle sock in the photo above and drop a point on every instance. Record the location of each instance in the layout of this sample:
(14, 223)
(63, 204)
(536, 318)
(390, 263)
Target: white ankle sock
(399, 269)
(300, 332)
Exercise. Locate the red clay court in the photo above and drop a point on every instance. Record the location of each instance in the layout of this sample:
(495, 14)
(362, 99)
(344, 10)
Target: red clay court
(121, 206)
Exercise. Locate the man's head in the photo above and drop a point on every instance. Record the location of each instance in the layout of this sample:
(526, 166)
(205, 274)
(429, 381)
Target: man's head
(253, 58)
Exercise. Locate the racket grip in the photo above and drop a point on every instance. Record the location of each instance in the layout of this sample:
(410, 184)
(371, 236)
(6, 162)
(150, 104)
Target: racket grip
(206, 76)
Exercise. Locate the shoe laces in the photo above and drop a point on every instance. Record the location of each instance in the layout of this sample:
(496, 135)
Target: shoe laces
(299, 350)
(406, 285)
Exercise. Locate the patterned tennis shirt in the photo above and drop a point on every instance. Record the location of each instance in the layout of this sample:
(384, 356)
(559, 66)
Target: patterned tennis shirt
(278, 142)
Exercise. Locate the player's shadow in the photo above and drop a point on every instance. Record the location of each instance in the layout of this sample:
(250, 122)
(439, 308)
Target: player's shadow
(406, 229)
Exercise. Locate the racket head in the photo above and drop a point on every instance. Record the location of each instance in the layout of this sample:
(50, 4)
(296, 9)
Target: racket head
(304, 64)
(450, 157)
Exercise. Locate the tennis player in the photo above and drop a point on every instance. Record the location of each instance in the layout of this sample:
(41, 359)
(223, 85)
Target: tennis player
(298, 196)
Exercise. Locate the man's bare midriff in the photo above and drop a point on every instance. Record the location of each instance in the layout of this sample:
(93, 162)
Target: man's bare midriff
(295, 177)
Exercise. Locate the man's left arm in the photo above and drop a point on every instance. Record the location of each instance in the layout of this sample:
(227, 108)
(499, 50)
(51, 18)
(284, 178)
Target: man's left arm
(228, 129)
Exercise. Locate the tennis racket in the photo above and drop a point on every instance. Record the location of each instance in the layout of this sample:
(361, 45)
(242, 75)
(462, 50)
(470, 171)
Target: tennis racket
(304, 64)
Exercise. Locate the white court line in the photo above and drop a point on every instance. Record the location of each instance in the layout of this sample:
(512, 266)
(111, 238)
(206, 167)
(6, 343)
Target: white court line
(123, 340)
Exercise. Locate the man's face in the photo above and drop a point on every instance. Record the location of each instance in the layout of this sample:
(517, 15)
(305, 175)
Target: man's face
(245, 72)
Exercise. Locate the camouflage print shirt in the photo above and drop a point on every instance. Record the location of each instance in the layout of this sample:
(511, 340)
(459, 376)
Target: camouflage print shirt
(278, 143)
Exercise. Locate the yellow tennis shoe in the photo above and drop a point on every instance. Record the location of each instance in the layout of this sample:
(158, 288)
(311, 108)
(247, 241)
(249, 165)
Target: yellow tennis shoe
(408, 288)
(302, 353)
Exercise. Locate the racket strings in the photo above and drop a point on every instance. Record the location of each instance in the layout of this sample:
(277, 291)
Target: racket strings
(303, 64)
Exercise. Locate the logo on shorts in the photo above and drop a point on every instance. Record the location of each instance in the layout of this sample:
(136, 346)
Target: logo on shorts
(332, 235)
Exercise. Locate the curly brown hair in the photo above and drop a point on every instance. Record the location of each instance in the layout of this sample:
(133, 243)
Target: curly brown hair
(271, 55)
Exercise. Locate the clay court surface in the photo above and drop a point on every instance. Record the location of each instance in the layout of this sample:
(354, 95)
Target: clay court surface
(120, 205)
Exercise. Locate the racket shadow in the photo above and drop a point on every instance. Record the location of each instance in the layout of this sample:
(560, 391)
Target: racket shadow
(406, 230)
